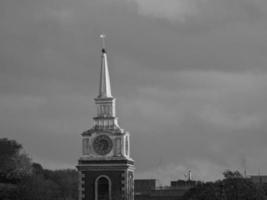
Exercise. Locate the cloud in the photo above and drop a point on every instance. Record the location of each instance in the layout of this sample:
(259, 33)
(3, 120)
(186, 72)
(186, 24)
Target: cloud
(21, 102)
(60, 15)
(235, 121)
(191, 92)
(200, 10)
(204, 120)
(170, 9)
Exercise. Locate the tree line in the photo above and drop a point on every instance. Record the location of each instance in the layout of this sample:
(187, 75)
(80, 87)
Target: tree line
(233, 187)
(23, 179)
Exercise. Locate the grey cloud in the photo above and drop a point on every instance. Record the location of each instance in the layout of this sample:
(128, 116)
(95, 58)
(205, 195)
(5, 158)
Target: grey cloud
(200, 121)
(186, 10)
(191, 94)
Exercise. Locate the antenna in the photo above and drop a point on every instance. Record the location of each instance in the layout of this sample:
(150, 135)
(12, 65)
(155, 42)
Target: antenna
(188, 175)
(259, 174)
(159, 170)
(244, 165)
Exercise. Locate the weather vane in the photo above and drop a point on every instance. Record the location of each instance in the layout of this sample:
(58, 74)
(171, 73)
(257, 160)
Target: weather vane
(102, 36)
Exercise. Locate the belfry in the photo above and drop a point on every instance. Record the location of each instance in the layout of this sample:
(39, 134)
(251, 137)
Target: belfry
(105, 167)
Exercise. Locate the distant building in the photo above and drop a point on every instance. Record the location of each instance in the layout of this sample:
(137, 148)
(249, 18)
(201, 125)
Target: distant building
(148, 189)
(182, 184)
(142, 186)
(258, 179)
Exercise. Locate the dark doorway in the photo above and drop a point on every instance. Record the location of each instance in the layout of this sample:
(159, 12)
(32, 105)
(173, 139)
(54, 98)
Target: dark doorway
(103, 189)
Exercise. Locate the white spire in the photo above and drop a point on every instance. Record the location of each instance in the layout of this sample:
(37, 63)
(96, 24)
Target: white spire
(104, 87)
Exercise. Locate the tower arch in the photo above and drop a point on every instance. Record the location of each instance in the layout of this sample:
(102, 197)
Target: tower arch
(103, 185)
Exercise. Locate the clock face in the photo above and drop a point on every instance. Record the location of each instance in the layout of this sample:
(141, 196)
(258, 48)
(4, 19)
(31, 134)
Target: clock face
(102, 145)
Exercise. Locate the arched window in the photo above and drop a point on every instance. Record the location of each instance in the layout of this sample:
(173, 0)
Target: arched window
(103, 188)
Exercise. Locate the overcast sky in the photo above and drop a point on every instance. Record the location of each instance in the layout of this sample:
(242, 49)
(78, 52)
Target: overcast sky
(190, 78)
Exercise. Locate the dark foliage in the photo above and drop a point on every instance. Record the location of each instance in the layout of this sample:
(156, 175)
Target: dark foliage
(20, 179)
(67, 180)
(232, 187)
(14, 164)
(264, 187)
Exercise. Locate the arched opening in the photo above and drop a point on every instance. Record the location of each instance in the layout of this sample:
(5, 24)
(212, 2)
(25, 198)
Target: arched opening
(103, 188)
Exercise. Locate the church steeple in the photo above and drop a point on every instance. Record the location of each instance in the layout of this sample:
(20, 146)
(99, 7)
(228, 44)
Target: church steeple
(104, 85)
(105, 167)
(106, 114)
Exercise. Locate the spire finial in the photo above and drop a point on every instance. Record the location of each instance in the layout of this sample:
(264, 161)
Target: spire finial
(103, 36)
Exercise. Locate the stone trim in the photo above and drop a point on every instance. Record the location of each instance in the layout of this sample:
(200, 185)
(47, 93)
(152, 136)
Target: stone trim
(124, 184)
(81, 185)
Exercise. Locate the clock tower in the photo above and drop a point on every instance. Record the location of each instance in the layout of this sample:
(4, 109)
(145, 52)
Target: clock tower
(105, 167)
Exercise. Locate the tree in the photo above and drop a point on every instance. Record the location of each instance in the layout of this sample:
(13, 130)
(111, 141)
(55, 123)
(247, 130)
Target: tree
(236, 187)
(36, 187)
(203, 191)
(232, 174)
(15, 164)
(37, 169)
(232, 187)
(8, 191)
(20, 179)
(67, 180)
